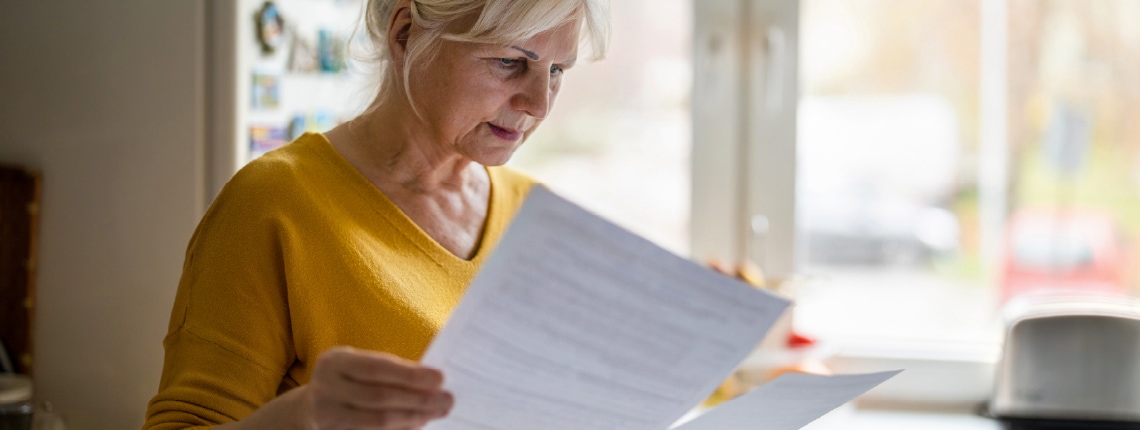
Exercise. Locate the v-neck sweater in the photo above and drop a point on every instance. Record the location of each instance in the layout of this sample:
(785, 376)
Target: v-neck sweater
(297, 254)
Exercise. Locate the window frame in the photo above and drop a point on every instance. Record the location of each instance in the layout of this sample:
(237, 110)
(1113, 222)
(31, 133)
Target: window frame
(745, 97)
(745, 94)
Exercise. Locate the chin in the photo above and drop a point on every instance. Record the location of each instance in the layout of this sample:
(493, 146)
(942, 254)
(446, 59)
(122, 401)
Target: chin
(494, 160)
(493, 155)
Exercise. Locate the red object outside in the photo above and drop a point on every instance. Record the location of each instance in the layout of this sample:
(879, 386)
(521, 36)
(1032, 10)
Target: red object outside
(1062, 250)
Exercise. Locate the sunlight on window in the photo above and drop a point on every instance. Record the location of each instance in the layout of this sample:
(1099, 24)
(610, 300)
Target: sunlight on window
(890, 202)
(618, 139)
(889, 160)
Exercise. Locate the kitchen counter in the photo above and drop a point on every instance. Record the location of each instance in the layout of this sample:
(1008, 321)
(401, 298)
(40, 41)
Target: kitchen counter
(850, 418)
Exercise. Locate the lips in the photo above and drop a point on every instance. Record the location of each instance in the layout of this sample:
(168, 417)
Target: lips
(507, 134)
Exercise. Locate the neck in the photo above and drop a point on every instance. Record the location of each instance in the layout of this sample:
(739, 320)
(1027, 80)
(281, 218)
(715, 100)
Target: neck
(393, 146)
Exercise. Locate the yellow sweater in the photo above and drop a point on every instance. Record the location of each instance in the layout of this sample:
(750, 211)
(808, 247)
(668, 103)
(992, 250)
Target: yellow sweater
(299, 253)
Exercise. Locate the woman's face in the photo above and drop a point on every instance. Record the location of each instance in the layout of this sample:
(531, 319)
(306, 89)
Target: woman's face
(483, 101)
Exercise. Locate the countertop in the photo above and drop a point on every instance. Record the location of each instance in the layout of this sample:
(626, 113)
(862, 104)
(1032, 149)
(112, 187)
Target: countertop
(848, 417)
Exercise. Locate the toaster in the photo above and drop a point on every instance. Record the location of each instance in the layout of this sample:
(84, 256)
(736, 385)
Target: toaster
(1070, 363)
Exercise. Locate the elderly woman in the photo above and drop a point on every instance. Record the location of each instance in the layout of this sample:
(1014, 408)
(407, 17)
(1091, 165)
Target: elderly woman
(323, 270)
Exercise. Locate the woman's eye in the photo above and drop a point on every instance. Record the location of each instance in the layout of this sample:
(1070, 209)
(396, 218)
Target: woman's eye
(556, 70)
(508, 63)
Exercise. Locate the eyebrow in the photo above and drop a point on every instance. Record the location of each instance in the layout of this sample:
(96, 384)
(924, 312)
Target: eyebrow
(529, 54)
(533, 56)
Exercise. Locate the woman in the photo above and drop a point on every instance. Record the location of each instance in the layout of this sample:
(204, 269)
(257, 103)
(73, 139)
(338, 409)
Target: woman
(323, 270)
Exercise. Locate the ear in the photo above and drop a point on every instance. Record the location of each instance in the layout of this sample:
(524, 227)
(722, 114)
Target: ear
(399, 27)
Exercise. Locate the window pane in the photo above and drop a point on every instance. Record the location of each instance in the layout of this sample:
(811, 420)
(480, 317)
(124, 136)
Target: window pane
(1074, 179)
(890, 157)
(618, 139)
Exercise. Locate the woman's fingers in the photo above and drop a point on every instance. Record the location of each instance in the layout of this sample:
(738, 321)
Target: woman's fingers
(378, 368)
(745, 271)
(356, 389)
(720, 267)
(365, 395)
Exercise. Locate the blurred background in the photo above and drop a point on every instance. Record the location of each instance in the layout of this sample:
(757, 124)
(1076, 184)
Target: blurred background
(902, 168)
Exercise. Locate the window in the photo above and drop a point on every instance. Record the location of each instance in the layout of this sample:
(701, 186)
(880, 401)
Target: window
(950, 164)
(618, 139)
(912, 164)
(889, 159)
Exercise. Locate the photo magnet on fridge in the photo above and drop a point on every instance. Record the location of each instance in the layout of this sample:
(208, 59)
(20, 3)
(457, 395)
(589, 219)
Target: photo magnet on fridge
(270, 27)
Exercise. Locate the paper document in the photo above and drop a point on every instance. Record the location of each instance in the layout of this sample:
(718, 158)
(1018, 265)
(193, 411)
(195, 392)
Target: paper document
(789, 402)
(574, 323)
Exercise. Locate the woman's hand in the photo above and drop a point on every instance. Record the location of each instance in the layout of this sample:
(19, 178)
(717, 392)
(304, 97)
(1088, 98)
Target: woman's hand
(356, 389)
(745, 271)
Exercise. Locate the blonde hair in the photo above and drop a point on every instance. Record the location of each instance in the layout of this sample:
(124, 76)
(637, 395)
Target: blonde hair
(498, 22)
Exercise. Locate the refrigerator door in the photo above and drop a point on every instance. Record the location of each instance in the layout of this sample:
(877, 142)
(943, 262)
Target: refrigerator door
(277, 69)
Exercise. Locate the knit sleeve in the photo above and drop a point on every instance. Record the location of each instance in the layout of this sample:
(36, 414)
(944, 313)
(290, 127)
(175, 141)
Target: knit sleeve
(229, 343)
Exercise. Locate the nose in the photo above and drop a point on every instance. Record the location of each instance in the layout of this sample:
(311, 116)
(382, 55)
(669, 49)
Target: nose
(535, 96)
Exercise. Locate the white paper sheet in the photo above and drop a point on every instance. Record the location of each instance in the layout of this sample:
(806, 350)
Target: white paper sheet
(789, 402)
(577, 324)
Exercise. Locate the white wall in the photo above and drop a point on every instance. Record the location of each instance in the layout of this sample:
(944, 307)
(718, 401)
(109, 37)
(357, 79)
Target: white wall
(106, 99)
